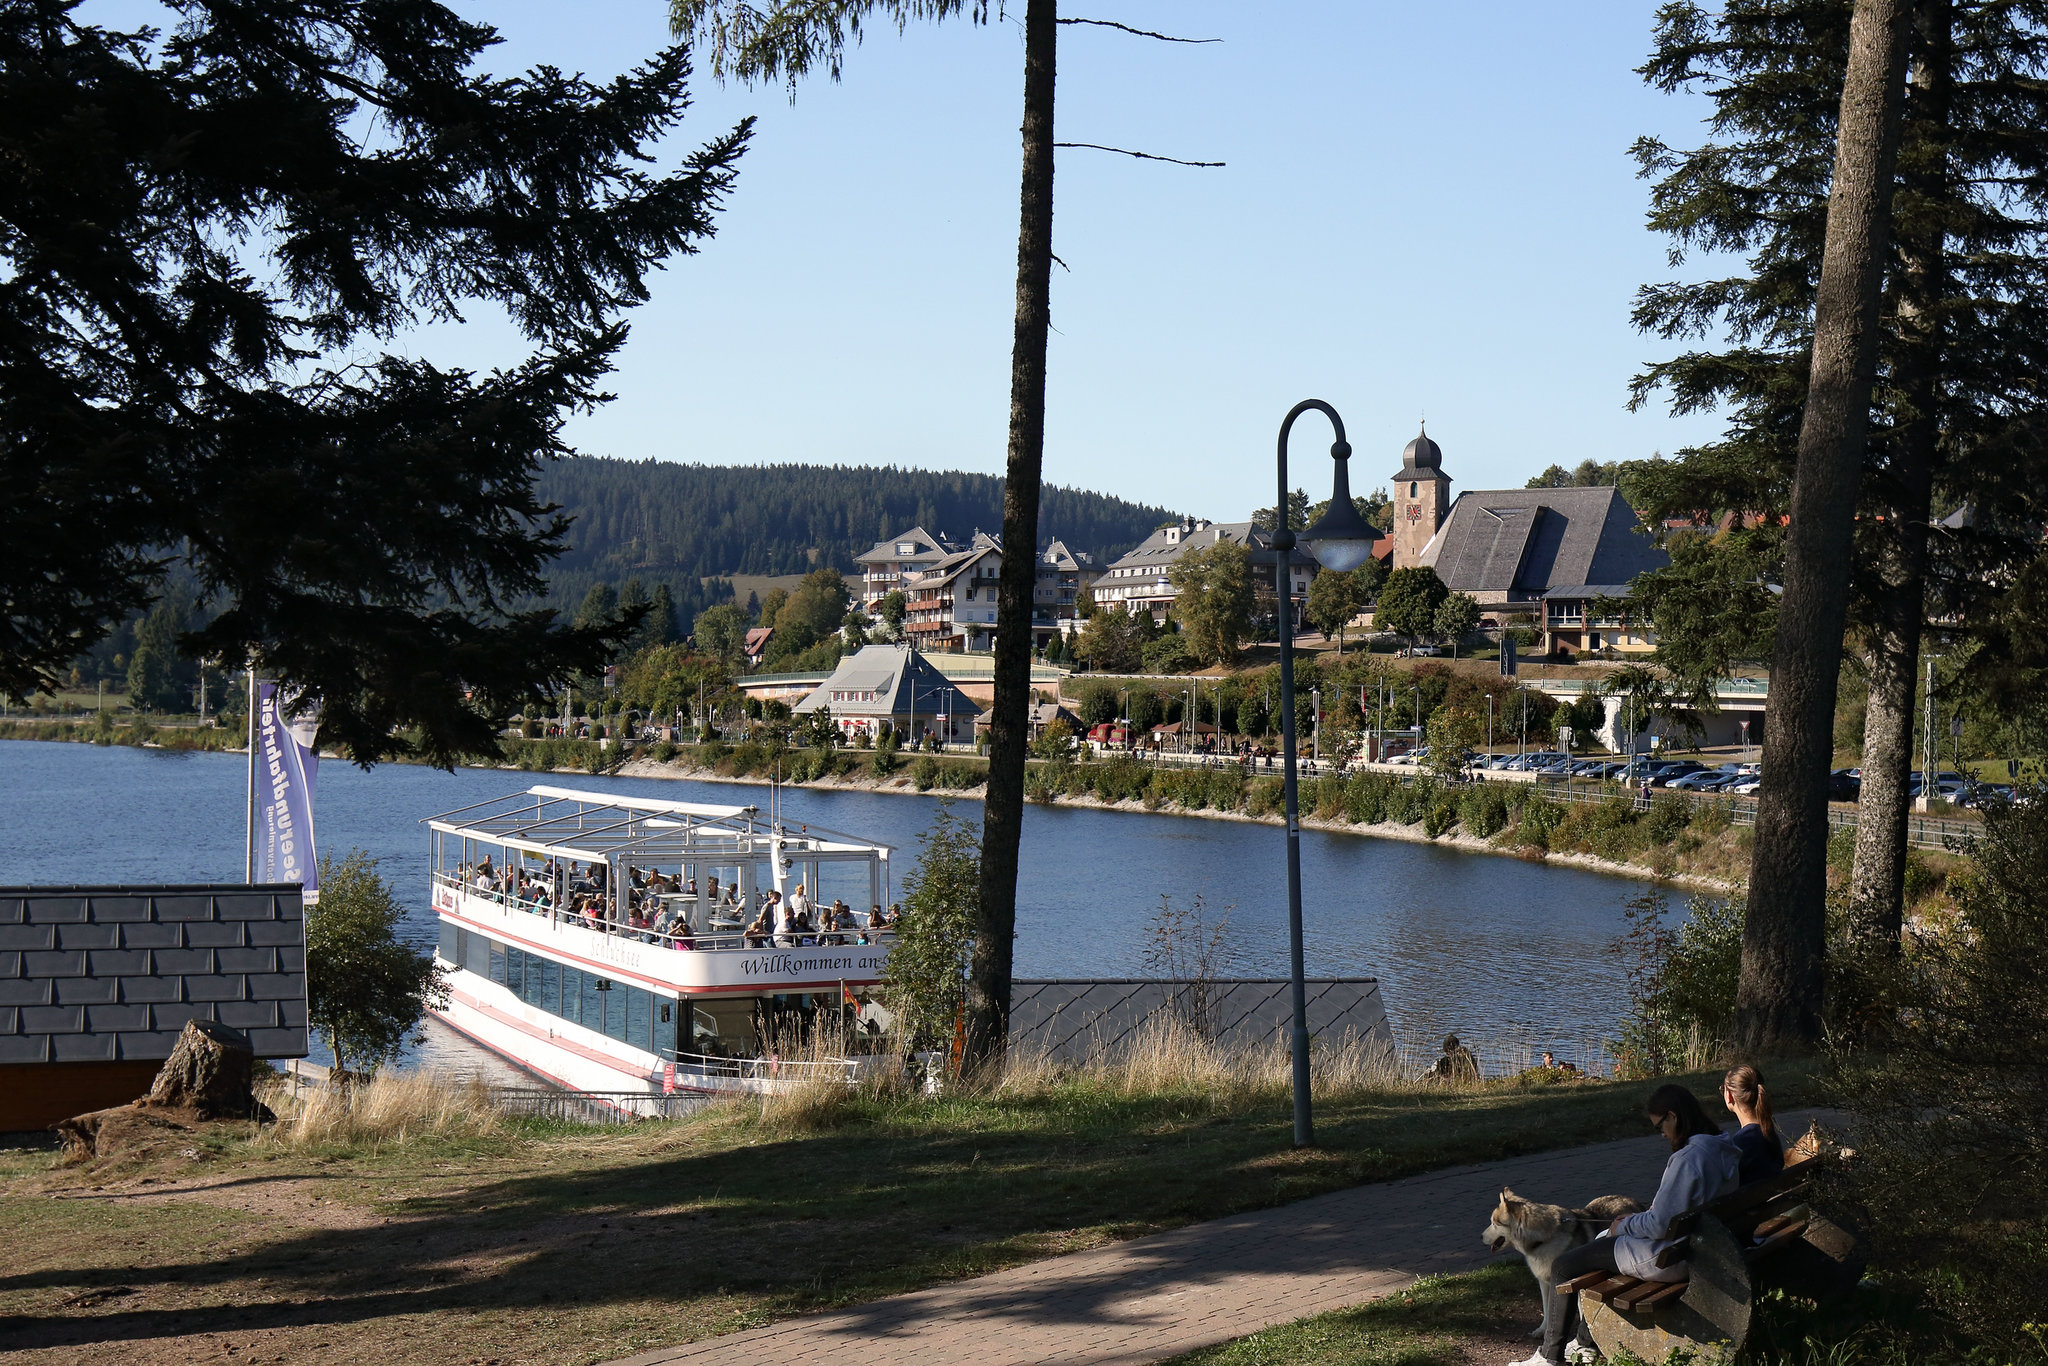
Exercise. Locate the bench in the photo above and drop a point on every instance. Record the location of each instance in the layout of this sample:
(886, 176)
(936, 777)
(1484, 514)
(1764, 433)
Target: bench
(1764, 1236)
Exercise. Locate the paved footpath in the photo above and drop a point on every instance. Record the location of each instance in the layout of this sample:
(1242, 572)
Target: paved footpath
(1152, 1298)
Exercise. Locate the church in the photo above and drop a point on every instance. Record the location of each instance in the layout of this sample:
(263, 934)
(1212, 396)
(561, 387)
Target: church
(1550, 554)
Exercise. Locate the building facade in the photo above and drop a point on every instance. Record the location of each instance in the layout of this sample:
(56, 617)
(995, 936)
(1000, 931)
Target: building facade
(885, 568)
(1063, 575)
(951, 604)
(1141, 580)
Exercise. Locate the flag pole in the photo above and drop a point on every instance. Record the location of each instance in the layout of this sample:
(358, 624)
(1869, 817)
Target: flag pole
(249, 813)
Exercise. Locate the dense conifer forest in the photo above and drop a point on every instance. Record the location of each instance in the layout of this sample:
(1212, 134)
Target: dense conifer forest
(660, 521)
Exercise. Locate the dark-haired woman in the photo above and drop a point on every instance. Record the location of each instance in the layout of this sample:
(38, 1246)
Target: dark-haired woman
(1702, 1168)
(1763, 1151)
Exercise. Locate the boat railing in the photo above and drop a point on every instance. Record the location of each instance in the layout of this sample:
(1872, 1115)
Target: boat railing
(724, 934)
(769, 1068)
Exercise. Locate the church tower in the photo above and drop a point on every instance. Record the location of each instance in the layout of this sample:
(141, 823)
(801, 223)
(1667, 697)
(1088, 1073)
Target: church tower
(1422, 498)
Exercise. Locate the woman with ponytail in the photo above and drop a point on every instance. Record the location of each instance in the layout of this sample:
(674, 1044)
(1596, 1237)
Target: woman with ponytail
(1763, 1151)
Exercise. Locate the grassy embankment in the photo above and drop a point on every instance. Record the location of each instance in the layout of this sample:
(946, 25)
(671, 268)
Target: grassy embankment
(464, 1240)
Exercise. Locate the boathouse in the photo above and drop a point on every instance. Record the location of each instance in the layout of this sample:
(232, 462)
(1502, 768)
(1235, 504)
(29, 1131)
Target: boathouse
(96, 983)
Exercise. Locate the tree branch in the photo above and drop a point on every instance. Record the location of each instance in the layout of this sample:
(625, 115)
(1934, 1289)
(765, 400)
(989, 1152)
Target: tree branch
(1139, 32)
(1142, 156)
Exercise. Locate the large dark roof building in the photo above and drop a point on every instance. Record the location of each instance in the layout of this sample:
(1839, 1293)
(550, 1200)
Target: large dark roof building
(1515, 545)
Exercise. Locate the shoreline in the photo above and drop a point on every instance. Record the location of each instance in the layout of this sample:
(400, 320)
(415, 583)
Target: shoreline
(1394, 830)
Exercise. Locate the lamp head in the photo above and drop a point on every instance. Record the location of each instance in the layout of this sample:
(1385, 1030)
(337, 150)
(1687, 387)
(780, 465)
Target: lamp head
(1341, 540)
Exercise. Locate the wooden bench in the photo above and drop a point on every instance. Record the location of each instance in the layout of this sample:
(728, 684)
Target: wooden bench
(1765, 1235)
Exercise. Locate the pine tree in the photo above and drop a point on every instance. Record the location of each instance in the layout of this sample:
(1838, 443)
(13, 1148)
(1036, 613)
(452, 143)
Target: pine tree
(1957, 366)
(210, 231)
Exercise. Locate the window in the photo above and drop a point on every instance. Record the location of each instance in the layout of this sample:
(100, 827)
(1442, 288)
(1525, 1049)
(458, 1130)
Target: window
(550, 986)
(906, 547)
(639, 1018)
(447, 950)
(497, 961)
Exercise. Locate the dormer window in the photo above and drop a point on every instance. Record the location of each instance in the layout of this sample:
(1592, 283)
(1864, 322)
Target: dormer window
(906, 547)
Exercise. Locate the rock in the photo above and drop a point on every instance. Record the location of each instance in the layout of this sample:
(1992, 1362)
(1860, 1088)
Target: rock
(124, 1128)
(209, 1072)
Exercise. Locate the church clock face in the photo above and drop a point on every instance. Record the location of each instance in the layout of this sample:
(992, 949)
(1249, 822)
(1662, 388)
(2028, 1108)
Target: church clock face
(1415, 512)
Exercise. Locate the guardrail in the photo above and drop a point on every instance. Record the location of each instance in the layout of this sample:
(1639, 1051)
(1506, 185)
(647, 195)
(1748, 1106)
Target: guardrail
(1922, 832)
(594, 1107)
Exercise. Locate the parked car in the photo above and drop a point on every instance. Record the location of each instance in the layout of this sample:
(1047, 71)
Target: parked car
(1745, 784)
(1702, 780)
(1665, 774)
(1844, 785)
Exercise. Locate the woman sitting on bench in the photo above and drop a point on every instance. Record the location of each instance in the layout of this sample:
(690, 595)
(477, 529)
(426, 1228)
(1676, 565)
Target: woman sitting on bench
(1702, 1168)
(1763, 1151)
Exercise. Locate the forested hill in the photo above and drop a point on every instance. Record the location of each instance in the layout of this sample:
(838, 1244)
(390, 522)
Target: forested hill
(662, 521)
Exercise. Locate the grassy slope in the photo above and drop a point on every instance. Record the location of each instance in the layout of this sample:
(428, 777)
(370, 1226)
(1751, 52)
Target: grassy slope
(578, 1245)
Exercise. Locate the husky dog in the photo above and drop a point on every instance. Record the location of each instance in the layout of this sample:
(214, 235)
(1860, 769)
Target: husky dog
(1543, 1233)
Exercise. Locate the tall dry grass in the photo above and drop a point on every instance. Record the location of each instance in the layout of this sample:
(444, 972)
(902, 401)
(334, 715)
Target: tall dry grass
(1168, 1056)
(390, 1108)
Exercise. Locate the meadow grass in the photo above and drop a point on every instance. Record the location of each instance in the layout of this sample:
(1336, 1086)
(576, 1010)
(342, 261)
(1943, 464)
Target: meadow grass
(421, 1230)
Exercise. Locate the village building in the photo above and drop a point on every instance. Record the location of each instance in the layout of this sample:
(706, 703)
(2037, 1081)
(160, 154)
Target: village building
(1548, 557)
(1141, 580)
(893, 687)
(952, 603)
(1062, 576)
(884, 569)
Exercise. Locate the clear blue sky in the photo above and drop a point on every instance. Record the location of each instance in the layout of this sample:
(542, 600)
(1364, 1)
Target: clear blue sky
(1427, 209)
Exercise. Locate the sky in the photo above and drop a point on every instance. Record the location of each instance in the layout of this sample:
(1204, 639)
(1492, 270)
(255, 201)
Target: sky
(1426, 211)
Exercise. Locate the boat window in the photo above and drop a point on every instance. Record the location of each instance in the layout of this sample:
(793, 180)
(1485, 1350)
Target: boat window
(497, 962)
(551, 986)
(617, 1000)
(639, 1016)
(447, 950)
(476, 954)
(593, 1002)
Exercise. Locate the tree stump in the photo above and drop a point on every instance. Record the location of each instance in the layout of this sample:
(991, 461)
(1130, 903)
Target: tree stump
(210, 1072)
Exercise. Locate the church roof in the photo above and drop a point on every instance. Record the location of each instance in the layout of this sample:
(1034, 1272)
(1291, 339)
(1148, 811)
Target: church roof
(1422, 459)
(1525, 542)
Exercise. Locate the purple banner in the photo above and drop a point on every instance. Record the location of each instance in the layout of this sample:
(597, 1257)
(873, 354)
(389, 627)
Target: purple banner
(286, 766)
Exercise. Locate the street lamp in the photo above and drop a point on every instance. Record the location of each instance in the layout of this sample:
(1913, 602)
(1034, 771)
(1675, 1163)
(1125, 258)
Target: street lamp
(1341, 541)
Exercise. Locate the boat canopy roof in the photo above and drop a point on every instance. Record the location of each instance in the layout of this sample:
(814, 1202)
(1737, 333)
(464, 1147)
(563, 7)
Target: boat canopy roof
(571, 823)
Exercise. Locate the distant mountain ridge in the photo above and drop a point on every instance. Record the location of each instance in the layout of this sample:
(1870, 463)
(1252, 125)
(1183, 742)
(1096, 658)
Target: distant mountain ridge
(665, 522)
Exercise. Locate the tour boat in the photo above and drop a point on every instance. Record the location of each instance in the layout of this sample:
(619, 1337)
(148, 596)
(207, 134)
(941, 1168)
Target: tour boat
(600, 941)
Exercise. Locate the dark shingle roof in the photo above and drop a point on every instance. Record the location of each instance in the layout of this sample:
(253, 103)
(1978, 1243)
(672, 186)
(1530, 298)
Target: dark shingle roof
(1524, 541)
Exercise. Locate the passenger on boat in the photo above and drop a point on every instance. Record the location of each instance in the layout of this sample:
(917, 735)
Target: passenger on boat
(757, 933)
(786, 913)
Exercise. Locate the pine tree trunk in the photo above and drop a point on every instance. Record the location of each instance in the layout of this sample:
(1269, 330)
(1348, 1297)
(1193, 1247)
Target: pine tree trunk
(1778, 1005)
(1878, 882)
(988, 988)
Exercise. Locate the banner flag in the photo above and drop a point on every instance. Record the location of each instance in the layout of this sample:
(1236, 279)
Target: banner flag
(286, 766)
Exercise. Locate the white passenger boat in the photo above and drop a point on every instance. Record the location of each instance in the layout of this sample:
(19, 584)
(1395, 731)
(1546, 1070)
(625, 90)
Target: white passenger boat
(602, 942)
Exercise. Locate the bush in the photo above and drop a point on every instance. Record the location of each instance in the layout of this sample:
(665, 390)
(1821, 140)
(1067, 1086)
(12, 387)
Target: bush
(1681, 983)
(1484, 809)
(1949, 1090)
(924, 774)
(1666, 819)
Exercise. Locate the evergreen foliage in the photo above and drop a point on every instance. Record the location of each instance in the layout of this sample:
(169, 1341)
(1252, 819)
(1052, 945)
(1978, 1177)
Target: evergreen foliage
(210, 232)
(688, 523)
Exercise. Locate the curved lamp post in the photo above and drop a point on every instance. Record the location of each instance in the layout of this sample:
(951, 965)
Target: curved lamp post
(1341, 541)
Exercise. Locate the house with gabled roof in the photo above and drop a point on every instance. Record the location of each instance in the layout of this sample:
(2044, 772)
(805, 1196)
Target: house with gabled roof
(896, 687)
(890, 562)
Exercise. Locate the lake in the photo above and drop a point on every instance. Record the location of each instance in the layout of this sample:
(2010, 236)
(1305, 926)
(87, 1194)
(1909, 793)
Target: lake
(1509, 954)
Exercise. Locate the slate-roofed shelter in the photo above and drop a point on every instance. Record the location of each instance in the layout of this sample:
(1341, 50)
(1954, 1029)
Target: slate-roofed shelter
(96, 982)
(1514, 545)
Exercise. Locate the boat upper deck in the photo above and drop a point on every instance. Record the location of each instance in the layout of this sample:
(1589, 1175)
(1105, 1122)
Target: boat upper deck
(680, 896)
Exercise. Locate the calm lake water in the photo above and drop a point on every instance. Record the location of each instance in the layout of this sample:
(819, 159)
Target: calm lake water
(1509, 954)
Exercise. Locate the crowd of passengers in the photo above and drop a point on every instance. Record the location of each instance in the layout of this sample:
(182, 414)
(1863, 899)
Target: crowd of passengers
(654, 906)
